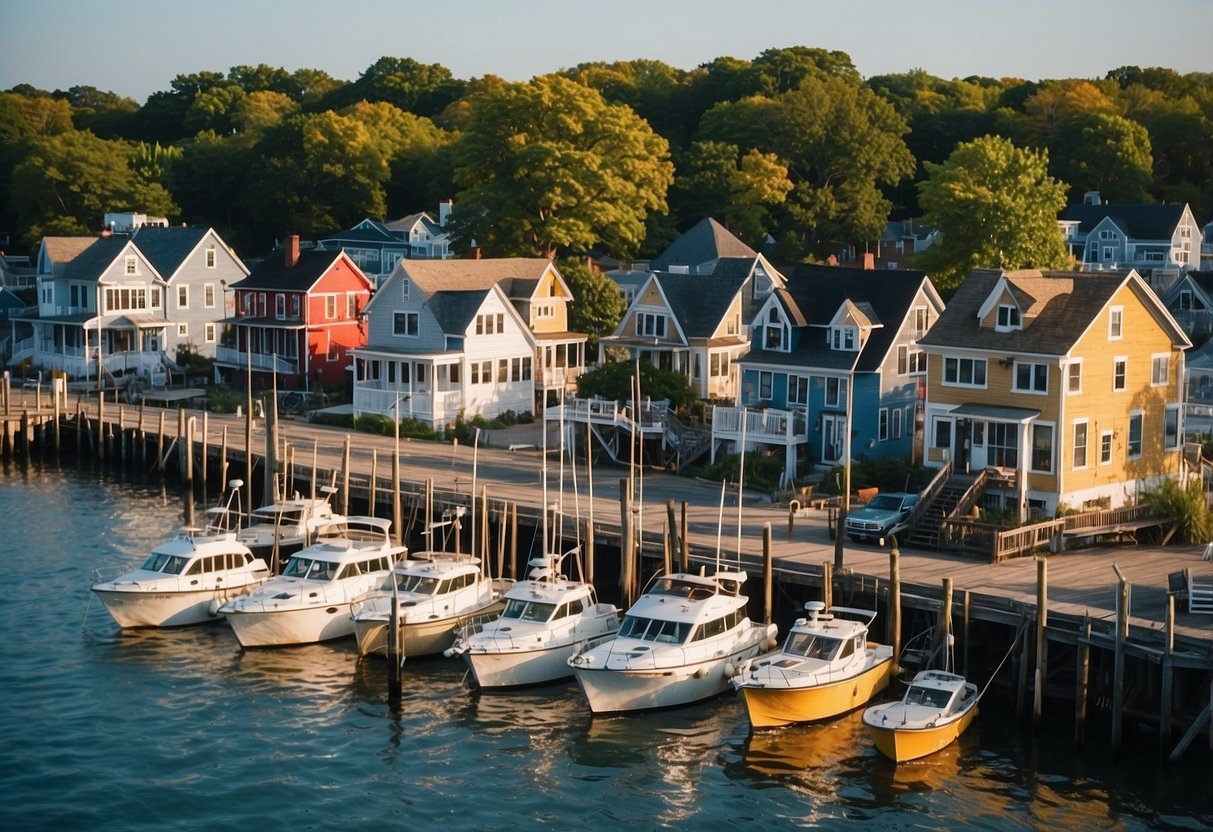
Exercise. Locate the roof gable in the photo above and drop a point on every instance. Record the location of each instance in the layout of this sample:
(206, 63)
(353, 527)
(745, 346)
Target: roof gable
(273, 274)
(707, 241)
(1140, 222)
(168, 248)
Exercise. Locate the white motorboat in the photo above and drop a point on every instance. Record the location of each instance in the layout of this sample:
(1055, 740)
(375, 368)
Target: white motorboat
(681, 642)
(183, 581)
(546, 621)
(434, 593)
(293, 523)
(825, 667)
(310, 601)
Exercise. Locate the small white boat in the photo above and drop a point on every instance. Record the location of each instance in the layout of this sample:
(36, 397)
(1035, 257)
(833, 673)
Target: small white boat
(183, 581)
(546, 621)
(310, 601)
(293, 523)
(681, 642)
(826, 667)
(936, 709)
(434, 593)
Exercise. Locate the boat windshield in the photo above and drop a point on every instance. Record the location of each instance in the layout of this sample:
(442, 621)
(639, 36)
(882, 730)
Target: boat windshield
(271, 516)
(655, 629)
(931, 697)
(168, 564)
(412, 583)
(313, 570)
(679, 588)
(811, 646)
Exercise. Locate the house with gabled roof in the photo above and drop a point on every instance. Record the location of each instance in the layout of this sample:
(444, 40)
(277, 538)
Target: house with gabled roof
(298, 319)
(1056, 388)
(376, 247)
(697, 323)
(144, 298)
(1160, 241)
(697, 249)
(835, 346)
(462, 338)
(54, 253)
(1190, 302)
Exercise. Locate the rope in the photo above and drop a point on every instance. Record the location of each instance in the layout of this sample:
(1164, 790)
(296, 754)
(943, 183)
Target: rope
(1022, 629)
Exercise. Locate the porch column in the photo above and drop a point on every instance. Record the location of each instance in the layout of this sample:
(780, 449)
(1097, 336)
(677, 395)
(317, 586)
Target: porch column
(1021, 474)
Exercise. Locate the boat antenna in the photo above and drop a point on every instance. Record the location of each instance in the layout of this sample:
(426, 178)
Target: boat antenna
(720, 522)
(740, 484)
(543, 478)
(475, 453)
(589, 476)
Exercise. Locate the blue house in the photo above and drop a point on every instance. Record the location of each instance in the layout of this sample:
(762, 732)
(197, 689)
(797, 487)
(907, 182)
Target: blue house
(835, 345)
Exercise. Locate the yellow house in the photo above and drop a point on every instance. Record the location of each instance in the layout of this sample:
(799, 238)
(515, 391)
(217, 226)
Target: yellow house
(1067, 386)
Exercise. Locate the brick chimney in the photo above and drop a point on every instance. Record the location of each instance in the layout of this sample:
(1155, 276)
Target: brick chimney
(291, 247)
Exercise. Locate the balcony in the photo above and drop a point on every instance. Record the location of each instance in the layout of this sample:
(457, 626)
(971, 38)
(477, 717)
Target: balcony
(776, 427)
(436, 408)
(558, 378)
(231, 357)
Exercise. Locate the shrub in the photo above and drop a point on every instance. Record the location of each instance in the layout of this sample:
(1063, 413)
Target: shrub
(1187, 505)
(762, 472)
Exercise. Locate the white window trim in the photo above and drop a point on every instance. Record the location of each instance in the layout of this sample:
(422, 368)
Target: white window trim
(1076, 362)
(1179, 427)
(1074, 444)
(1115, 360)
(958, 359)
(1111, 437)
(1165, 356)
(1031, 391)
(183, 330)
(1031, 450)
(407, 314)
(209, 332)
(1116, 314)
(208, 288)
(211, 257)
(183, 288)
(882, 430)
(1141, 437)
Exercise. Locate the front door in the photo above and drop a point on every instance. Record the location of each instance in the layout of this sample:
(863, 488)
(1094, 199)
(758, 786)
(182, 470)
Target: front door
(833, 429)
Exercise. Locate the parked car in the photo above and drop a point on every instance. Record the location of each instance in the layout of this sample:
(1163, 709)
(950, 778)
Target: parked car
(885, 515)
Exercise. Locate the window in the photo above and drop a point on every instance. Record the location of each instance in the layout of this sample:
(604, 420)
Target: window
(897, 423)
(964, 372)
(765, 383)
(404, 288)
(183, 297)
(911, 360)
(1120, 370)
(210, 257)
(155, 297)
(798, 389)
(1002, 444)
(842, 338)
(922, 318)
(210, 333)
(1116, 316)
(294, 306)
(1160, 370)
(333, 352)
(1170, 427)
(1008, 317)
(942, 437)
(1134, 446)
(132, 264)
(1105, 447)
(773, 333)
(650, 324)
(836, 391)
(503, 370)
(1080, 444)
(1042, 447)
(183, 330)
(280, 306)
(208, 296)
(1074, 378)
(330, 307)
(883, 430)
(351, 305)
(1031, 378)
(405, 323)
(718, 364)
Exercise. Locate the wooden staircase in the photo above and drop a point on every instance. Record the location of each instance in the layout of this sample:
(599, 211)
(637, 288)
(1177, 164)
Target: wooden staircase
(924, 534)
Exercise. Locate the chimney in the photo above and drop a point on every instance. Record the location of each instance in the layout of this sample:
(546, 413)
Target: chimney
(291, 246)
(444, 212)
(869, 260)
(1091, 198)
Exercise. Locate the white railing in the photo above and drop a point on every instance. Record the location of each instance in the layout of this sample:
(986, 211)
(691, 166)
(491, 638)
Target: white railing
(769, 425)
(229, 356)
(436, 408)
(652, 415)
(559, 376)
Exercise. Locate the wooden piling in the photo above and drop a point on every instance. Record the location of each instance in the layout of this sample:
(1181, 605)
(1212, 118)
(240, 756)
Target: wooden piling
(345, 475)
(1118, 674)
(514, 540)
(483, 554)
(397, 514)
(160, 446)
(964, 624)
(372, 483)
(1167, 690)
(673, 533)
(944, 630)
(394, 681)
(827, 584)
(626, 543)
(55, 429)
(1042, 622)
(223, 461)
(589, 551)
(202, 460)
(894, 624)
(1083, 668)
(768, 573)
(315, 459)
(684, 540)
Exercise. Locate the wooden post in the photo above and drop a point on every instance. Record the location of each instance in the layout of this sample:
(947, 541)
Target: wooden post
(160, 446)
(205, 451)
(945, 619)
(397, 514)
(370, 493)
(964, 650)
(394, 659)
(345, 476)
(1118, 680)
(667, 559)
(514, 540)
(223, 461)
(589, 552)
(827, 584)
(684, 541)
(894, 629)
(767, 574)
(1167, 694)
(626, 544)
(484, 528)
(315, 459)
(181, 446)
(1025, 657)
(1083, 682)
(25, 436)
(673, 534)
(791, 518)
(1042, 622)
(55, 430)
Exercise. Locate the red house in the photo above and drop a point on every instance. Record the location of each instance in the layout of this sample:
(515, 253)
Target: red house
(297, 316)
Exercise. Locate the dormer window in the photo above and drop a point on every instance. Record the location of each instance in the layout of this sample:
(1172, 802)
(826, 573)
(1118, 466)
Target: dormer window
(132, 264)
(1008, 318)
(775, 333)
(843, 338)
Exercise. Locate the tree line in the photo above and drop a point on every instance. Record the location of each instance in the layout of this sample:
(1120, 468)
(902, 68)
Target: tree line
(793, 150)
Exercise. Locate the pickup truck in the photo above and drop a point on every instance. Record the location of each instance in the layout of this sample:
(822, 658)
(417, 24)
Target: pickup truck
(886, 515)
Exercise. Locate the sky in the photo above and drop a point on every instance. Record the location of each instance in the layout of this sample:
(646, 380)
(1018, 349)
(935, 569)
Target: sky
(136, 47)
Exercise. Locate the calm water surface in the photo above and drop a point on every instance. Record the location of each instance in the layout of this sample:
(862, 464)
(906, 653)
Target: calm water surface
(181, 729)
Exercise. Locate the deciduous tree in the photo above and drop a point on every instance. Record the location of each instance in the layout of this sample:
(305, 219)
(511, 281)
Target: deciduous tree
(597, 306)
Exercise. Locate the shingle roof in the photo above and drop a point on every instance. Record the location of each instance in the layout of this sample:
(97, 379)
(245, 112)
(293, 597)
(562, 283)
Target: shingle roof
(699, 302)
(1065, 303)
(455, 309)
(1141, 222)
(406, 223)
(64, 249)
(167, 248)
(707, 241)
(463, 275)
(273, 273)
(100, 254)
(376, 234)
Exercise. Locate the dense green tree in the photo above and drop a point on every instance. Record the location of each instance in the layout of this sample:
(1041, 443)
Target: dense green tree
(210, 181)
(215, 109)
(1104, 153)
(650, 88)
(68, 181)
(550, 166)
(412, 144)
(597, 305)
(995, 205)
(615, 380)
(715, 180)
(784, 69)
(106, 115)
(260, 110)
(422, 89)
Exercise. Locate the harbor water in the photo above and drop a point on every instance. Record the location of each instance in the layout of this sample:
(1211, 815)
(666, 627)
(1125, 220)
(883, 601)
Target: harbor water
(182, 730)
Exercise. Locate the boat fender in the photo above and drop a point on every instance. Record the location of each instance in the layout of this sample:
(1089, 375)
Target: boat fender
(213, 607)
(700, 672)
(729, 670)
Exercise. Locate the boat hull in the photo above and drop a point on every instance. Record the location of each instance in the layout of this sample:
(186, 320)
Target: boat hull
(519, 668)
(610, 690)
(284, 627)
(901, 744)
(166, 609)
(771, 707)
(425, 638)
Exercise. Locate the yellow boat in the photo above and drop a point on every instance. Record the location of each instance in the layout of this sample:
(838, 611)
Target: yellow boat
(826, 667)
(936, 709)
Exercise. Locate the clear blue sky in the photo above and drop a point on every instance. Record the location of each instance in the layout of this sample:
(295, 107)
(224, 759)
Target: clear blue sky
(135, 47)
